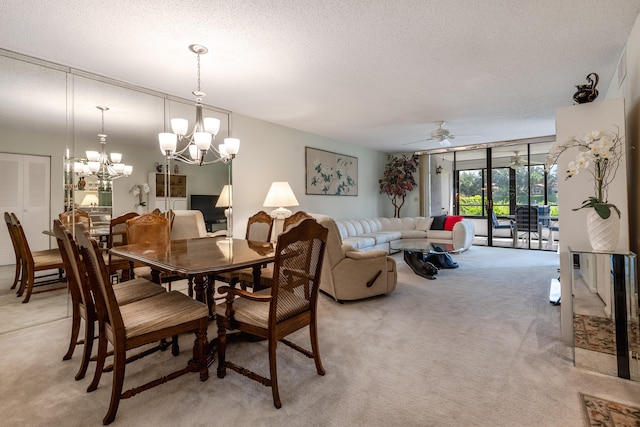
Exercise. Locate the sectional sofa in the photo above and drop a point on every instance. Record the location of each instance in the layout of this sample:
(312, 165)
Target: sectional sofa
(378, 233)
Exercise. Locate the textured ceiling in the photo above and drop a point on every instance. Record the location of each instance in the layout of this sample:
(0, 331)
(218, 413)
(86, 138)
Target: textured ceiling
(376, 73)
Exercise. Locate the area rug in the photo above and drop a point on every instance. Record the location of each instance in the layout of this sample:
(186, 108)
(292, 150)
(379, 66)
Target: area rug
(594, 333)
(604, 413)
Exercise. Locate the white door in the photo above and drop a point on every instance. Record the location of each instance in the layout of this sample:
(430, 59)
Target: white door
(26, 192)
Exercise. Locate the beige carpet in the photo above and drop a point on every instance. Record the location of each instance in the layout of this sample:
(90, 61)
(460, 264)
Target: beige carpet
(478, 346)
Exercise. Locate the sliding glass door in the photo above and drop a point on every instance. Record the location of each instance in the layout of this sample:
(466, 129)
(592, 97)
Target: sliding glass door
(493, 184)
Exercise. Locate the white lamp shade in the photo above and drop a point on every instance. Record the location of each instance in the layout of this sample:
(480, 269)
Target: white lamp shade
(211, 125)
(94, 166)
(232, 145)
(180, 126)
(168, 142)
(202, 140)
(78, 167)
(222, 149)
(85, 169)
(93, 156)
(194, 152)
(118, 167)
(90, 200)
(226, 197)
(116, 157)
(127, 170)
(280, 195)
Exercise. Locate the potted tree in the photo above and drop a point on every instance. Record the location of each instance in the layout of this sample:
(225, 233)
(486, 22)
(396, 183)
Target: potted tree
(398, 179)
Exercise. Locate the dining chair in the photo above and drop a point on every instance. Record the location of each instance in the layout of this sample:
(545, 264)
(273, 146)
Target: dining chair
(266, 274)
(32, 262)
(148, 228)
(258, 230)
(16, 249)
(76, 216)
(289, 305)
(138, 323)
(118, 237)
(82, 304)
(527, 225)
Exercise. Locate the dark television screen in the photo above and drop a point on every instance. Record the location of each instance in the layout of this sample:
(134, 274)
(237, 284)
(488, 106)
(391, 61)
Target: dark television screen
(207, 205)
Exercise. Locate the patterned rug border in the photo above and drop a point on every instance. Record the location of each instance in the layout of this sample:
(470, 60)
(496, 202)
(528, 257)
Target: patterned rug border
(601, 412)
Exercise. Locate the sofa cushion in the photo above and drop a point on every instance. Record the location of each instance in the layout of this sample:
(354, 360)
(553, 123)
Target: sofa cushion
(408, 223)
(451, 220)
(423, 223)
(438, 222)
(351, 230)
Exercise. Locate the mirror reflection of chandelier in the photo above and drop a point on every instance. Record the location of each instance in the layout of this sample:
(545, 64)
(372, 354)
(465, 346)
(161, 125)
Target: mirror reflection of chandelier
(99, 164)
(199, 142)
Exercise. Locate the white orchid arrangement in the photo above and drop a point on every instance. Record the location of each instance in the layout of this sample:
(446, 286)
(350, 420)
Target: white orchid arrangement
(599, 154)
(139, 190)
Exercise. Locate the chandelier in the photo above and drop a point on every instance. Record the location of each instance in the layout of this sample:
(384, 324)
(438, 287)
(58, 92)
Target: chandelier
(197, 144)
(104, 167)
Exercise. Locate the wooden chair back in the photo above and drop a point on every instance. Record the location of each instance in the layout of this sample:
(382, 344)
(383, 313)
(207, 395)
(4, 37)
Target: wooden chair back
(148, 228)
(16, 248)
(76, 274)
(70, 218)
(294, 220)
(118, 229)
(259, 227)
(105, 300)
(21, 239)
(297, 267)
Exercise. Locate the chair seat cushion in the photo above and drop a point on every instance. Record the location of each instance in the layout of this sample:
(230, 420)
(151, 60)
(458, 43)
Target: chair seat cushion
(49, 257)
(159, 312)
(266, 277)
(257, 313)
(135, 290)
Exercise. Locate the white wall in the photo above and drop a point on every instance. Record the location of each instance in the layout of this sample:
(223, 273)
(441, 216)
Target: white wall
(271, 152)
(629, 89)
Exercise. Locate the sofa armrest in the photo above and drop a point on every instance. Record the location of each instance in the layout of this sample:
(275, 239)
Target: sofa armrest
(463, 233)
(375, 253)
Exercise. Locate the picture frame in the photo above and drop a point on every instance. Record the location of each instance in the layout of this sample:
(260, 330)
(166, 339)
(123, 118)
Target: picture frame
(330, 174)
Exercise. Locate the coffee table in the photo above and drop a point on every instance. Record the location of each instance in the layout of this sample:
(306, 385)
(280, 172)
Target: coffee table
(421, 254)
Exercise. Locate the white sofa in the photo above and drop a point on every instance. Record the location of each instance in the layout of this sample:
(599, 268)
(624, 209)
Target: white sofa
(378, 233)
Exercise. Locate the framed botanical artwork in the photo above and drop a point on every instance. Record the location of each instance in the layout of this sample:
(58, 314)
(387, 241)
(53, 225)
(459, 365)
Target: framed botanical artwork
(330, 174)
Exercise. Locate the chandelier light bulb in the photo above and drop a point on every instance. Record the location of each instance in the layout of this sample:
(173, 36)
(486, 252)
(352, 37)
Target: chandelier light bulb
(232, 145)
(180, 126)
(128, 169)
(94, 167)
(93, 156)
(116, 157)
(168, 142)
(202, 140)
(212, 125)
(194, 152)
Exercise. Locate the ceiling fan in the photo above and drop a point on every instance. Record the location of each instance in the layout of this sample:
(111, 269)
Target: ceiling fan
(517, 161)
(439, 134)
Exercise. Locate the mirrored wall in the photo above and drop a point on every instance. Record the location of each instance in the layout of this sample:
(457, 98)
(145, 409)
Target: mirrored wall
(49, 110)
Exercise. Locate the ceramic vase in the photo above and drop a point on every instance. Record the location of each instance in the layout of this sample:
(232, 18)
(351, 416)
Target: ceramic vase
(603, 233)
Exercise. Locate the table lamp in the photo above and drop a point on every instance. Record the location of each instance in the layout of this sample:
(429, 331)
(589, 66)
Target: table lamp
(90, 200)
(280, 196)
(226, 201)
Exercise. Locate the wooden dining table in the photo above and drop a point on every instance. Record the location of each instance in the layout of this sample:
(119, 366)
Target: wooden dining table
(200, 260)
